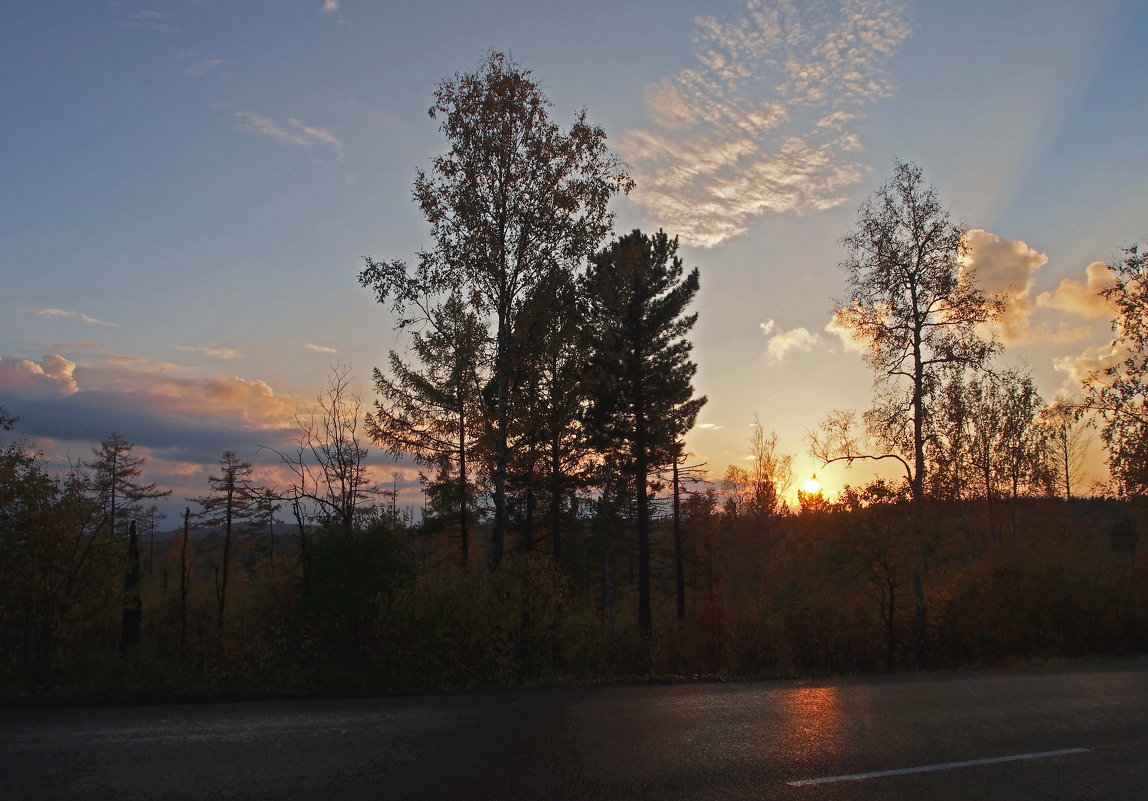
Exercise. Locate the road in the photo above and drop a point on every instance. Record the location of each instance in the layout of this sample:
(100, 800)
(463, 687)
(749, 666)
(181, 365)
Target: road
(1077, 733)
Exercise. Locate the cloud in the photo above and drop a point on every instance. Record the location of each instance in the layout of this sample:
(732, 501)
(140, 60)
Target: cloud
(295, 132)
(186, 419)
(766, 122)
(781, 343)
(849, 339)
(1082, 300)
(201, 67)
(215, 353)
(1091, 362)
(1007, 268)
(79, 344)
(54, 375)
(330, 7)
(74, 316)
(319, 348)
(150, 19)
(707, 426)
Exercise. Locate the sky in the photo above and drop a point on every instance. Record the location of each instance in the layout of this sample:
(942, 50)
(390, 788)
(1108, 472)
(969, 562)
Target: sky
(189, 188)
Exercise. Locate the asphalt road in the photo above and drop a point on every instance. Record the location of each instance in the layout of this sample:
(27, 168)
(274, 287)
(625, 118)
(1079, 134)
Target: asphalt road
(1051, 734)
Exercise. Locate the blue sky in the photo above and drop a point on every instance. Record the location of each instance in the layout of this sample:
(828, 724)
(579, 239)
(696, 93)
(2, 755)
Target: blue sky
(189, 188)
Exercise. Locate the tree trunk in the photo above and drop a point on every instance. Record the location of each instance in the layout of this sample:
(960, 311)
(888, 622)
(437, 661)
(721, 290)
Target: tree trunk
(183, 584)
(679, 559)
(133, 605)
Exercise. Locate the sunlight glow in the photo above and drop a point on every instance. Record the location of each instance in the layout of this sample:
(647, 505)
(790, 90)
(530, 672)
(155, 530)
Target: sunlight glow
(812, 485)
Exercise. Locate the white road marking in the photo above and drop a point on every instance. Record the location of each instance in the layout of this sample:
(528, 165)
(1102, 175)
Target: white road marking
(941, 766)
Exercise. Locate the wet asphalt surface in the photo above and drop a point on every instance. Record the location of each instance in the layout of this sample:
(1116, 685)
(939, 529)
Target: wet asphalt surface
(701, 741)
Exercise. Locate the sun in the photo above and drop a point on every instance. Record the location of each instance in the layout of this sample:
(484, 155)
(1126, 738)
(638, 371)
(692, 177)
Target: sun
(812, 486)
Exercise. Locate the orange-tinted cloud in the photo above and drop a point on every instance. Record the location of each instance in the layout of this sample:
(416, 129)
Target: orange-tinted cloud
(147, 402)
(1006, 268)
(781, 343)
(1091, 362)
(849, 339)
(1082, 300)
(54, 375)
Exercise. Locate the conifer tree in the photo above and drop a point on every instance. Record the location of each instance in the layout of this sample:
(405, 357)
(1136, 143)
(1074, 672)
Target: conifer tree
(637, 295)
(513, 198)
(232, 499)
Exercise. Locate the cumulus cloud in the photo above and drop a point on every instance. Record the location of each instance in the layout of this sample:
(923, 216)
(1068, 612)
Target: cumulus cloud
(781, 343)
(73, 315)
(1091, 362)
(1007, 268)
(191, 419)
(766, 122)
(1082, 300)
(319, 348)
(53, 375)
(213, 352)
(294, 133)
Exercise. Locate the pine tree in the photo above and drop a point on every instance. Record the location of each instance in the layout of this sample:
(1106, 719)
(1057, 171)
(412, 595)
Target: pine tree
(641, 371)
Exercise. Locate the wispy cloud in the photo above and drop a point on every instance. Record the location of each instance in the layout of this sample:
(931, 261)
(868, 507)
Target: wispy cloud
(319, 348)
(293, 133)
(707, 426)
(781, 343)
(73, 315)
(766, 122)
(330, 7)
(201, 67)
(149, 19)
(213, 352)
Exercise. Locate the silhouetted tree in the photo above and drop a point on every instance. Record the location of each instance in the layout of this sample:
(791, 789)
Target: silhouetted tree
(1119, 392)
(643, 396)
(1067, 444)
(114, 481)
(920, 314)
(513, 198)
(231, 499)
(115, 485)
(329, 460)
(430, 407)
(552, 394)
(914, 307)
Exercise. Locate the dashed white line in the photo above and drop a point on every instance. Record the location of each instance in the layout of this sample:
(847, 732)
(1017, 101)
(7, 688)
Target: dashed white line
(970, 763)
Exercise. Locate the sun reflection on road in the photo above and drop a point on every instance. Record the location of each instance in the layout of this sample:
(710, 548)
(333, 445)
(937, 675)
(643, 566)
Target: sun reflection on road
(813, 721)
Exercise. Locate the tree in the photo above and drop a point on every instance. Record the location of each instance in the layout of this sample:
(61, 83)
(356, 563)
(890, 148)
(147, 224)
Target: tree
(919, 313)
(643, 398)
(513, 198)
(232, 498)
(771, 475)
(1067, 444)
(921, 316)
(552, 394)
(114, 482)
(431, 406)
(1119, 391)
(329, 462)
